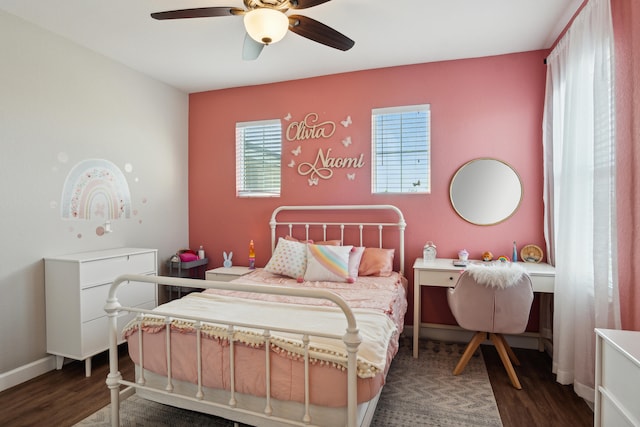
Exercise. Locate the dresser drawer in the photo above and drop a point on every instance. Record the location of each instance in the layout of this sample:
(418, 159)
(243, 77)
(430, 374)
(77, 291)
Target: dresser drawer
(621, 379)
(95, 333)
(612, 413)
(543, 283)
(94, 336)
(438, 278)
(131, 294)
(105, 270)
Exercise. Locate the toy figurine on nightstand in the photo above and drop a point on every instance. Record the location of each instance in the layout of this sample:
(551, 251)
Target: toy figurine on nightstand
(228, 263)
(429, 251)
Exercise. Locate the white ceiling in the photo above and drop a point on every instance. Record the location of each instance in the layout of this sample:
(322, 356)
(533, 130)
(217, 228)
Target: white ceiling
(201, 54)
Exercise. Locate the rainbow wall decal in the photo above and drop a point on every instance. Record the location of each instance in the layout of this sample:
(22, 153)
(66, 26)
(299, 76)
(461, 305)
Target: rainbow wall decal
(96, 188)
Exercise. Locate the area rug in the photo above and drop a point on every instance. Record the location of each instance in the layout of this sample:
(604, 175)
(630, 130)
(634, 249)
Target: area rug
(418, 392)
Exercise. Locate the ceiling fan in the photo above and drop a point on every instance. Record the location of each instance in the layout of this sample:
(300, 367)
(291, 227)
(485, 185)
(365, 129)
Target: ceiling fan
(266, 22)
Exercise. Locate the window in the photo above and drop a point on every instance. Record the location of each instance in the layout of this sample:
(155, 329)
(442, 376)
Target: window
(400, 155)
(258, 154)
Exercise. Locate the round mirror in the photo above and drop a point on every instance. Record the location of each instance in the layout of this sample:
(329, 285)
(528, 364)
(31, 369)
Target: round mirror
(485, 191)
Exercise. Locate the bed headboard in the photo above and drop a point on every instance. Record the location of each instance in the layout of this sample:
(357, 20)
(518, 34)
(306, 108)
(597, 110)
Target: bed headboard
(336, 229)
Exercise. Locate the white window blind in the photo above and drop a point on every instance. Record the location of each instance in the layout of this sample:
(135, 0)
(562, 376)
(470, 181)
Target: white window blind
(401, 158)
(258, 158)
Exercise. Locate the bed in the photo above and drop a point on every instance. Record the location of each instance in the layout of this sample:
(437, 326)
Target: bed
(329, 306)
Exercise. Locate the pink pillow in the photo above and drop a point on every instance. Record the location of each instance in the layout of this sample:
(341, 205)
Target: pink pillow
(323, 242)
(293, 239)
(188, 257)
(376, 262)
(329, 242)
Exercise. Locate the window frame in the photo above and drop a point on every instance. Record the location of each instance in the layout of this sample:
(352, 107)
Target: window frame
(243, 189)
(401, 187)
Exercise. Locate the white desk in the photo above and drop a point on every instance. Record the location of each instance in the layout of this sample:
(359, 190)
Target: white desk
(442, 273)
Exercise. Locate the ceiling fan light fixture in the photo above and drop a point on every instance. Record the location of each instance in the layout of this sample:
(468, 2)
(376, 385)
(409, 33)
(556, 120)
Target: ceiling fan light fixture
(266, 25)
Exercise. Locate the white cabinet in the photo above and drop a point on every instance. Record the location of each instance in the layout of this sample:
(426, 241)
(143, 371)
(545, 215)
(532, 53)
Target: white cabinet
(76, 290)
(617, 378)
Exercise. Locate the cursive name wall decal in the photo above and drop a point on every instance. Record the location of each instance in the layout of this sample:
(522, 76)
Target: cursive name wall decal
(325, 163)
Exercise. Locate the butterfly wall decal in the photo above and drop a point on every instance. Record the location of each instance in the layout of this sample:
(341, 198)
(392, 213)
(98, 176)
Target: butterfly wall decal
(313, 181)
(292, 163)
(346, 122)
(287, 117)
(351, 176)
(297, 151)
(347, 141)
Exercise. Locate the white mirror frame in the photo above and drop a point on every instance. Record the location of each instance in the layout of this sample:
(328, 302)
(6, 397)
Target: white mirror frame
(486, 191)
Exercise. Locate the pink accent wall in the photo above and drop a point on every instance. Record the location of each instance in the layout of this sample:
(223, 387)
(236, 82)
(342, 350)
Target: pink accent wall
(626, 22)
(485, 107)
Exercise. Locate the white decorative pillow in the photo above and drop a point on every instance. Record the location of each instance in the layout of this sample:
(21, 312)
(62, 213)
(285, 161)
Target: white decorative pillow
(328, 263)
(355, 256)
(289, 259)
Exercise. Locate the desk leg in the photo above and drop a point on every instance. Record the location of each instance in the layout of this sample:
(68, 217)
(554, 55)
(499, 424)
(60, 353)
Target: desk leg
(416, 317)
(545, 303)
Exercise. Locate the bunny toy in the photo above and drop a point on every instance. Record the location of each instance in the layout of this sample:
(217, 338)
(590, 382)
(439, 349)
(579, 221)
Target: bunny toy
(227, 259)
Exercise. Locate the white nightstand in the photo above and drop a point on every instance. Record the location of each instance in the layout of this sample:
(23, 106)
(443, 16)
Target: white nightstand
(224, 274)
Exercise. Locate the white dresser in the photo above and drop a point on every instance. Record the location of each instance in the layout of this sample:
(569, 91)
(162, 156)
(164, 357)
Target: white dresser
(76, 289)
(617, 401)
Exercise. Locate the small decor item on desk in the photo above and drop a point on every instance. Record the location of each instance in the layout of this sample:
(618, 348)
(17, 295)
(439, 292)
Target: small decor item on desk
(503, 258)
(227, 259)
(487, 256)
(201, 252)
(531, 253)
(463, 259)
(514, 255)
(429, 251)
(252, 256)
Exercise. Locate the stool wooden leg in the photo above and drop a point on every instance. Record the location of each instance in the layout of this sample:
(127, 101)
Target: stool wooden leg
(468, 352)
(504, 356)
(512, 355)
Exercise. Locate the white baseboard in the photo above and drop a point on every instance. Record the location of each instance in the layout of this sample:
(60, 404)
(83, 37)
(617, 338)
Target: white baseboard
(27, 372)
(457, 334)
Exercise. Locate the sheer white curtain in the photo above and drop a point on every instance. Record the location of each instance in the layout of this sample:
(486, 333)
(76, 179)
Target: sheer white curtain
(579, 193)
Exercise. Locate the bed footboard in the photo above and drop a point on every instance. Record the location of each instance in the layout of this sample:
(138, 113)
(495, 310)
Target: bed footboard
(351, 340)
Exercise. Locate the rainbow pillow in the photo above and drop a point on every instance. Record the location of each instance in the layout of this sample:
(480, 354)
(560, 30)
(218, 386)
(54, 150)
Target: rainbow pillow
(328, 263)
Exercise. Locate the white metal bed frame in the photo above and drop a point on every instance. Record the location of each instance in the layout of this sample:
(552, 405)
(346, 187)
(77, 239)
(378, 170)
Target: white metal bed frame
(400, 224)
(355, 416)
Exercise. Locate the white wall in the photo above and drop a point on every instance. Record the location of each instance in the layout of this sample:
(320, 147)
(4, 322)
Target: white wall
(60, 104)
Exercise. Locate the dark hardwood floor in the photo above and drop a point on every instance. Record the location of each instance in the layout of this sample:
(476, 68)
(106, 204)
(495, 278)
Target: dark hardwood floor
(542, 401)
(63, 398)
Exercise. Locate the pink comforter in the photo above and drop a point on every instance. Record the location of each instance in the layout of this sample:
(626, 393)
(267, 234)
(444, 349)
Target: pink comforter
(328, 383)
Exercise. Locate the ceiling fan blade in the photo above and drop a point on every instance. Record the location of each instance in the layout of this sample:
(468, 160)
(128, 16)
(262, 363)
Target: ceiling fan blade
(200, 12)
(318, 32)
(305, 4)
(251, 48)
